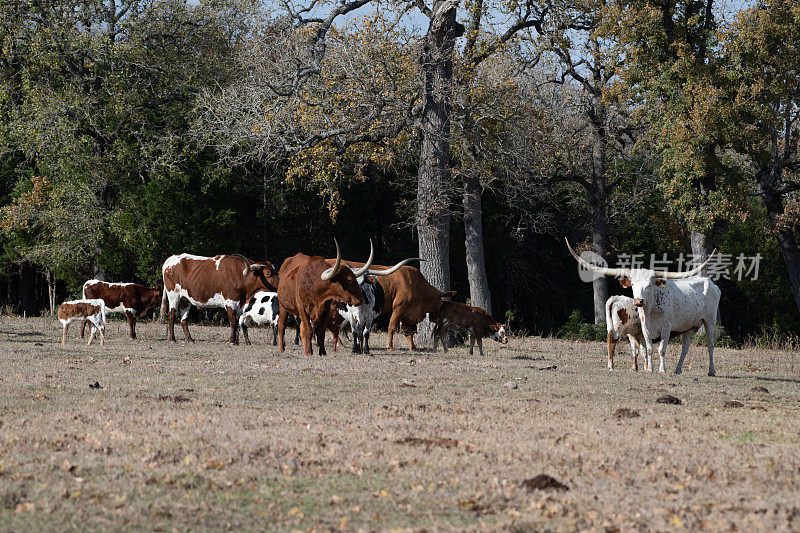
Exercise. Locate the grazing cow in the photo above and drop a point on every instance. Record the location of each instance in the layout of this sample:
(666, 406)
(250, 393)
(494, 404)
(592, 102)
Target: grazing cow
(130, 298)
(459, 316)
(261, 309)
(359, 318)
(91, 310)
(668, 302)
(408, 297)
(622, 318)
(308, 284)
(218, 281)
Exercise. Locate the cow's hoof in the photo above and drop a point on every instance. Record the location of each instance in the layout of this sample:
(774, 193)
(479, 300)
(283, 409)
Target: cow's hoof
(610, 369)
(711, 373)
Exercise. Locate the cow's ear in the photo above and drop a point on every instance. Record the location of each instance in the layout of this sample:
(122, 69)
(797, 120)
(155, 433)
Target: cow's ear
(661, 282)
(371, 279)
(625, 282)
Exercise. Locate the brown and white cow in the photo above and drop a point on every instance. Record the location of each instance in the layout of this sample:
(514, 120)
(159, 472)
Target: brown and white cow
(225, 281)
(87, 310)
(308, 284)
(408, 297)
(475, 320)
(130, 298)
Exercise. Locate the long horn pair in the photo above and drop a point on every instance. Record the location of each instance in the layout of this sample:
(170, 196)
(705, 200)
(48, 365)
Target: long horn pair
(329, 273)
(623, 272)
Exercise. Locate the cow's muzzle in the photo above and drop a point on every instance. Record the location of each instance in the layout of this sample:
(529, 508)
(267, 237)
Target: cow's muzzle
(638, 302)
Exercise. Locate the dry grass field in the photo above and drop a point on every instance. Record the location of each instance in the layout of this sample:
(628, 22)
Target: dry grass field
(211, 436)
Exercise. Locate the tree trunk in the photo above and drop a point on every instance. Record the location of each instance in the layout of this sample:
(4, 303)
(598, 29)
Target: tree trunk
(433, 180)
(598, 201)
(473, 230)
(27, 292)
(51, 290)
(791, 253)
(702, 246)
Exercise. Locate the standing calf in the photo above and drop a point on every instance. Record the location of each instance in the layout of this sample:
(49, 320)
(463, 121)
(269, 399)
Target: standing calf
(130, 298)
(261, 309)
(622, 318)
(478, 322)
(359, 317)
(93, 311)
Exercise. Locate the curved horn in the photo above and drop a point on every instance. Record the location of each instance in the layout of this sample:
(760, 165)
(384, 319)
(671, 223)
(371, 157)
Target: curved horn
(600, 270)
(361, 271)
(247, 264)
(329, 273)
(395, 268)
(681, 275)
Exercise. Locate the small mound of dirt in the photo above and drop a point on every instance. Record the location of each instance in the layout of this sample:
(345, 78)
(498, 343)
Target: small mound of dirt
(760, 389)
(624, 412)
(442, 442)
(733, 403)
(668, 398)
(543, 482)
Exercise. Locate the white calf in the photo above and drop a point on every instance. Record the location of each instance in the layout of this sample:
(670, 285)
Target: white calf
(90, 310)
(622, 318)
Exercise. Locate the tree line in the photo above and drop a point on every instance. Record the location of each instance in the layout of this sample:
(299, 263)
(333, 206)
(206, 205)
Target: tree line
(478, 137)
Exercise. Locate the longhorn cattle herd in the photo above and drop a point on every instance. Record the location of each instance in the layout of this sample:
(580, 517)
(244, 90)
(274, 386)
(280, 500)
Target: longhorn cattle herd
(335, 295)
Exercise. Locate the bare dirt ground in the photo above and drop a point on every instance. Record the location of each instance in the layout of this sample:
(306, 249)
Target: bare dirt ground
(211, 436)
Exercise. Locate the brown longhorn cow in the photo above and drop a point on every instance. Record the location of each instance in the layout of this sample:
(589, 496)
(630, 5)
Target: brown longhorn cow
(308, 284)
(130, 298)
(225, 281)
(409, 297)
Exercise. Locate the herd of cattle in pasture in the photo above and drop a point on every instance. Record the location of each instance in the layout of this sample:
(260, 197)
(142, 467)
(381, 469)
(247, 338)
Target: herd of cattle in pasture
(336, 294)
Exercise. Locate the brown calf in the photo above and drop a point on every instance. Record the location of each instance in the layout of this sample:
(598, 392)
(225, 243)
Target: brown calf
(478, 322)
(130, 298)
(92, 310)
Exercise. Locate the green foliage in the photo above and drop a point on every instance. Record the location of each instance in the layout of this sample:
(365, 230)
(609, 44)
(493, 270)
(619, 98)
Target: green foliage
(576, 329)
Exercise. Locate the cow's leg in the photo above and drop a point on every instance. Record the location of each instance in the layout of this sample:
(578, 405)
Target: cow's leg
(710, 325)
(131, 323)
(233, 320)
(297, 332)
(480, 344)
(394, 320)
(443, 334)
(611, 346)
(91, 333)
(365, 338)
(648, 343)
(282, 315)
(687, 342)
(102, 329)
(471, 343)
(83, 327)
(174, 306)
(243, 322)
(305, 333)
(662, 350)
(320, 327)
(274, 335)
(64, 334)
(171, 326)
(634, 352)
(410, 339)
(184, 321)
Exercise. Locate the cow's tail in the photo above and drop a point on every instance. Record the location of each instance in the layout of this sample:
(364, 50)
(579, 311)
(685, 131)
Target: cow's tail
(164, 305)
(609, 303)
(83, 290)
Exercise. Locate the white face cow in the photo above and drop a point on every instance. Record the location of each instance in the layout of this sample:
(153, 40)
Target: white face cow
(262, 308)
(669, 303)
(361, 317)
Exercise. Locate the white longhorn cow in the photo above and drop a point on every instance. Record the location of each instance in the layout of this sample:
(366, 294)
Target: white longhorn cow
(679, 302)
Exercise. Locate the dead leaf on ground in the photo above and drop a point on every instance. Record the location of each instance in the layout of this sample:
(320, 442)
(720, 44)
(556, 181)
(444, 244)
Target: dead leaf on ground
(733, 403)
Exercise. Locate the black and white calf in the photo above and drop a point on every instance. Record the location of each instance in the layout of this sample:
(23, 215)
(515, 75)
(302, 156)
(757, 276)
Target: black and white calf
(261, 309)
(361, 317)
